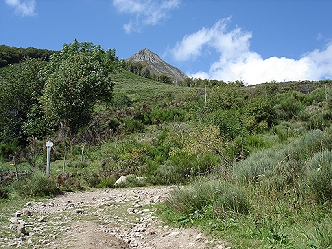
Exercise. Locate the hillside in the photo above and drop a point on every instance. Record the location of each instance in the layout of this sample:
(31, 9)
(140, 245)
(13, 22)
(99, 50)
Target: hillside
(252, 163)
(156, 65)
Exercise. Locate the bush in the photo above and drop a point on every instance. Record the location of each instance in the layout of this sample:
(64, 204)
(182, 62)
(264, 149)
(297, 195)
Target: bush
(182, 166)
(3, 193)
(320, 176)
(219, 196)
(8, 149)
(38, 185)
(290, 158)
(166, 174)
(107, 182)
(319, 120)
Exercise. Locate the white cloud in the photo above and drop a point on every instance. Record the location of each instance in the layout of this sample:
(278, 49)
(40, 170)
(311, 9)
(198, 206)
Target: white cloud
(146, 12)
(238, 62)
(23, 7)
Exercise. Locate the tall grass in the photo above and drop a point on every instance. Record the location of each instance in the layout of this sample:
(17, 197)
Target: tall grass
(219, 196)
(319, 176)
(276, 198)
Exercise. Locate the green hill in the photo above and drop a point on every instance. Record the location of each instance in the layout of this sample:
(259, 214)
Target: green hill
(254, 162)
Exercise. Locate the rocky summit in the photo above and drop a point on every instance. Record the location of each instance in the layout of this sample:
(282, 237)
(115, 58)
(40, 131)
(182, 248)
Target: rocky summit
(157, 66)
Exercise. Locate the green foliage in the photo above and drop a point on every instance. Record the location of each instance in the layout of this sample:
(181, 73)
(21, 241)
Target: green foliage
(138, 68)
(320, 176)
(262, 165)
(38, 185)
(3, 193)
(164, 79)
(268, 145)
(9, 149)
(20, 90)
(107, 182)
(319, 120)
(121, 101)
(289, 105)
(76, 79)
(199, 197)
(12, 55)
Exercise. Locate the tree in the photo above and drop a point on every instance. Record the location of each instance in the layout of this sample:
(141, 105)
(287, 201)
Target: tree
(20, 90)
(75, 80)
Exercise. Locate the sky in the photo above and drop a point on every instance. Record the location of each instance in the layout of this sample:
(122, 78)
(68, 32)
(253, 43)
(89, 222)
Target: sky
(254, 41)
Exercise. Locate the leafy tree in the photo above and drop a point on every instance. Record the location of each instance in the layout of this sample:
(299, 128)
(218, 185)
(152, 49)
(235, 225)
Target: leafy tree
(20, 90)
(163, 78)
(75, 80)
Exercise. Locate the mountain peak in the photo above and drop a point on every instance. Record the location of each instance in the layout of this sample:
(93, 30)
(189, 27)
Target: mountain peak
(156, 65)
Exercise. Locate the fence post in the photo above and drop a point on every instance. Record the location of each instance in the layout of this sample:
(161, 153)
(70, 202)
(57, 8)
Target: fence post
(16, 171)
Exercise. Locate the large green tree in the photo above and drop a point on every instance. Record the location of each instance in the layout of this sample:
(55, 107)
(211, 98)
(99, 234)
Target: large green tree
(20, 91)
(75, 80)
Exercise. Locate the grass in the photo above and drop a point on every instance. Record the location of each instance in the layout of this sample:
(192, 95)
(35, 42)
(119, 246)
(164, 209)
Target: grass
(138, 88)
(278, 197)
(271, 222)
(283, 198)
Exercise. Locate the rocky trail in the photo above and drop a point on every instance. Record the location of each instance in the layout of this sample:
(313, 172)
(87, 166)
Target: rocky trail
(112, 218)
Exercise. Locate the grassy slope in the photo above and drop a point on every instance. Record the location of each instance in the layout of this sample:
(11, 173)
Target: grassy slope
(273, 221)
(139, 89)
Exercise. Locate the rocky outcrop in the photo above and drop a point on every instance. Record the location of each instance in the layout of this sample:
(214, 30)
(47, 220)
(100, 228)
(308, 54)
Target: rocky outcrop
(157, 66)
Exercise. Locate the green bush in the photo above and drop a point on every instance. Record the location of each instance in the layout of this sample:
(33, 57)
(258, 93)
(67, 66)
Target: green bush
(182, 166)
(72, 183)
(319, 120)
(320, 176)
(321, 236)
(287, 158)
(121, 101)
(3, 193)
(131, 125)
(8, 149)
(166, 174)
(220, 196)
(107, 182)
(290, 105)
(38, 185)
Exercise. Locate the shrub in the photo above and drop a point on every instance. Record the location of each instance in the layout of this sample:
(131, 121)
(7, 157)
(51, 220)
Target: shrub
(182, 166)
(288, 158)
(319, 120)
(221, 196)
(166, 174)
(290, 104)
(7, 149)
(132, 125)
(37, 185)
(107, 182)
(320, 176)
(3, 193)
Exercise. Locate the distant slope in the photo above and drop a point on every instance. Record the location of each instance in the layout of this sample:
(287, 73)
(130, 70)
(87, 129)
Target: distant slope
(138, 88)
(156, 65)
(12, 55)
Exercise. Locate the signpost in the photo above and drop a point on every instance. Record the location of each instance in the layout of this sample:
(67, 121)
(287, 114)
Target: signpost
(49, 145)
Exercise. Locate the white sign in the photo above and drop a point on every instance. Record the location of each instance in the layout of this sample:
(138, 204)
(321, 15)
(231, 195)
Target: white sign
(49, 144)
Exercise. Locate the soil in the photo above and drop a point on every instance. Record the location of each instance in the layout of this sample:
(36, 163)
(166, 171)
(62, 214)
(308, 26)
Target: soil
(113, 218)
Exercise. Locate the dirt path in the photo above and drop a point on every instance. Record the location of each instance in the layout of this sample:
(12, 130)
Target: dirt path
(115, 218)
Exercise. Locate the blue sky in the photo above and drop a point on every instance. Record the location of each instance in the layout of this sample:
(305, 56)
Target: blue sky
(254, 41)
